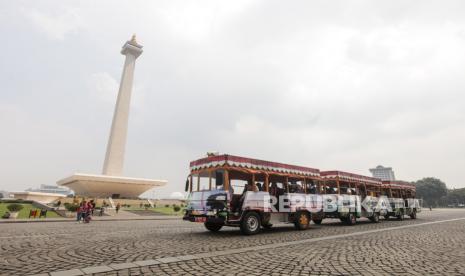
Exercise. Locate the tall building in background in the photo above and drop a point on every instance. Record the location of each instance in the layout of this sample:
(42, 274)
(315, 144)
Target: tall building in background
(384, 173)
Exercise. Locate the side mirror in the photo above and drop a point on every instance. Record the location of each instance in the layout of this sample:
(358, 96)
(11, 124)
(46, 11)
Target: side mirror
(187, 185)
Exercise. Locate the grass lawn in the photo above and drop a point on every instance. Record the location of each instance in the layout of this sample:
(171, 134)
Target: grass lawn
(24, 213)
(161, 209)
(168, 211)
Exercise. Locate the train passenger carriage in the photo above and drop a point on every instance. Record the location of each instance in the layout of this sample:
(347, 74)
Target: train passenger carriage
(349, 196)
(402, 199)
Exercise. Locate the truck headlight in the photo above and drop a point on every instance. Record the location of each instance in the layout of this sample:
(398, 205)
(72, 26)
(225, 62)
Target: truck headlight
(211, 213)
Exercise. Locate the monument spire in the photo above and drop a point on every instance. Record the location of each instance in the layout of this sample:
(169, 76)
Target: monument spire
(111, 183)
(114, 158)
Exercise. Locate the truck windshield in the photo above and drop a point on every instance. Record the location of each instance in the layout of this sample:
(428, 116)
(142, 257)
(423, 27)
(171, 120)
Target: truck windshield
(207, 180)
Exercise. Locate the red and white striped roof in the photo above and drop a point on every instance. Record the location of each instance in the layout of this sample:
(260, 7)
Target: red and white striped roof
(345, 176)
(256, 164)
(398, 184)
(249, 163)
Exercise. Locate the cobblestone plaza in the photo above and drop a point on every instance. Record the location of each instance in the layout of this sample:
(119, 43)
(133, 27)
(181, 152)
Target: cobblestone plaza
(434, 244)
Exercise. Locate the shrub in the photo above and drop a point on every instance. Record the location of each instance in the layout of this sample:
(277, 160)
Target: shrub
(176, 208)
(167, 205)
(71, 207)
(14, 207)
(9, 201)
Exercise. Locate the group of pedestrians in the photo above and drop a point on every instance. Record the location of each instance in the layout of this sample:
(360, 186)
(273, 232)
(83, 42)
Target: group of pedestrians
(85, 211)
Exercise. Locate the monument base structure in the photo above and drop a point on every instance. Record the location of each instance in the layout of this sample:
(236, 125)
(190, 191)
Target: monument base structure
(44, 198)
(90, 185)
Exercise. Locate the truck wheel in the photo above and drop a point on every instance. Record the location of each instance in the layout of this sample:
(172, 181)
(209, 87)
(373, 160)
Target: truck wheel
(301, 220)
(317, 221)
(214, 227)
(401, 216)
(413, 215)
(250, 224)
(375, 218)
(351, 219)
(386, 217)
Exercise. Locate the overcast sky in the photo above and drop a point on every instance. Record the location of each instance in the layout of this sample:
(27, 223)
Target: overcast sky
(333, 85)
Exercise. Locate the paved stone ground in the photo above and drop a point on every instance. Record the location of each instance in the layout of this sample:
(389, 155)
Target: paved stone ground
(427, 249)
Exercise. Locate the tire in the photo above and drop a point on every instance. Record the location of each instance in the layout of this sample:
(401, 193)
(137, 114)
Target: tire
(317, 221)
(400, 217)
(351, 219)
(214, 227)
(413, 215)
(375, 218)
(302, 220)
(250, 224)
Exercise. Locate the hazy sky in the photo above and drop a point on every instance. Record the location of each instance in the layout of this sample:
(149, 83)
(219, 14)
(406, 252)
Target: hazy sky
(333, 85)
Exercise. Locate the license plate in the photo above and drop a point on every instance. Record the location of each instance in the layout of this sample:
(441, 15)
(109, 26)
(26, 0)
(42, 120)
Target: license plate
(200, 219)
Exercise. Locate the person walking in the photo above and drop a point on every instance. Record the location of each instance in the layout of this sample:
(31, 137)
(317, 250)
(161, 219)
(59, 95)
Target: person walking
(78, 213)
(117, 207)
(89, 211)
(92, 203)
(84, 210)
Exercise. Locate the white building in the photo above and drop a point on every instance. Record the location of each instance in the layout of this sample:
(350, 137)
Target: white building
(51, 189)
(4, 194)
(384, 173)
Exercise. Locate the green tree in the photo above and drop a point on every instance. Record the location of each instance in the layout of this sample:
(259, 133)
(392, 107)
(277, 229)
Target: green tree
(431, 190)
(455, 197)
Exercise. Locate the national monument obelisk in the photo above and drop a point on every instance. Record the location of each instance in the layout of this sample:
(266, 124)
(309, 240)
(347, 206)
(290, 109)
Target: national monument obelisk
(111, 183)
(114, 158)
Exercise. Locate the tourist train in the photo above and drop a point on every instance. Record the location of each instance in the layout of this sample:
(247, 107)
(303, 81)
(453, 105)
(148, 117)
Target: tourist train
(227, 190)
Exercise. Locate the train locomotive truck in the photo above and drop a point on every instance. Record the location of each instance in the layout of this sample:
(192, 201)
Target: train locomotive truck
(227, 190)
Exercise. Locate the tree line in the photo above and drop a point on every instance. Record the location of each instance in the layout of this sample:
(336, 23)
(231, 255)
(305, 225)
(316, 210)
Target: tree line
(435, 193)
